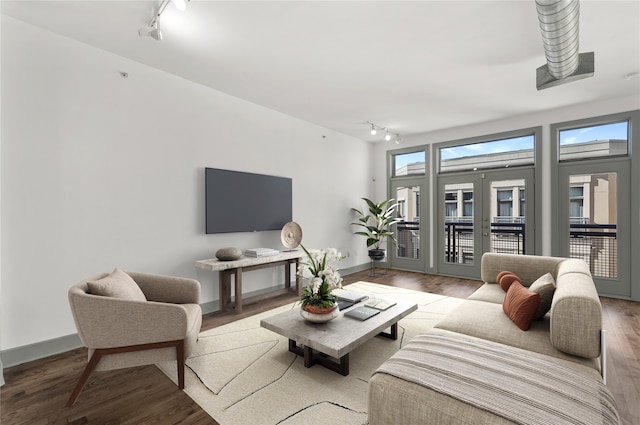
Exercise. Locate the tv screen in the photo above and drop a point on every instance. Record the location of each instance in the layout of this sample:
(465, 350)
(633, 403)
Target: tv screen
(246, 202)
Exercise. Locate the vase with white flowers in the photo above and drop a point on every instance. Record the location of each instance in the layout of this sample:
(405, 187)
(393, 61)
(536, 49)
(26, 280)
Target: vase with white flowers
(318, 302)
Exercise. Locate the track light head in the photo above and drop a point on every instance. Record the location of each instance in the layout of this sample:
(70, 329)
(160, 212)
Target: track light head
(181, 5)
(388, 136)
(152, 31)
(156, 34)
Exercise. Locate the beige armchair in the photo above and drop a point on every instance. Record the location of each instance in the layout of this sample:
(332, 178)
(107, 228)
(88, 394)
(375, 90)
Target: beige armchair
(134, 319)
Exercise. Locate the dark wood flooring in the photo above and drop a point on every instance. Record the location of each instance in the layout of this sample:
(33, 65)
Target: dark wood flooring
(36, 392)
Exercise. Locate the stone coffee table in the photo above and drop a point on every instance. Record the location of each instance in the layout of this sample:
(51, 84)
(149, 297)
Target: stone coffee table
(320, 342)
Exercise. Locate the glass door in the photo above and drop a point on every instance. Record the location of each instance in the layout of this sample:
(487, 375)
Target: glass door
(460, 217)
(409, 252)
(483, 212)
(507, 224)
(595, 219)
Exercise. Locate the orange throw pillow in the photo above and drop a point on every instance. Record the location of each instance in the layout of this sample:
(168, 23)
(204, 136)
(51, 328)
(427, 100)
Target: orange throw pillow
(500, 276)
(507, 279)
(521, 305)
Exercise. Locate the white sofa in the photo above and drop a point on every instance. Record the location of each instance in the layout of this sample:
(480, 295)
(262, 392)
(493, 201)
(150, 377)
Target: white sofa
(477, 367)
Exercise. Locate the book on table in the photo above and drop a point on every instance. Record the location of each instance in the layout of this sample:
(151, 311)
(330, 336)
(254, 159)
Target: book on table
(380, 304)
(362, 313)
(351, 296)
(260, 252)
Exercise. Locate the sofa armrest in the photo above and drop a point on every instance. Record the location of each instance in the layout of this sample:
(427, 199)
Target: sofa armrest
(168, 289)
(576, 316)
(105, 322)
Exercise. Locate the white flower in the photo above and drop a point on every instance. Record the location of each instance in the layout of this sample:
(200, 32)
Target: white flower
(315, 284)
(319, 271)
(333, 254)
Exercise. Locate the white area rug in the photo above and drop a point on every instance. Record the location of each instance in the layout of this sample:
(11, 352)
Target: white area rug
(241, 373)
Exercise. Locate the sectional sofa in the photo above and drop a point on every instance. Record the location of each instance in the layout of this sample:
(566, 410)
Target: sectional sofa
(477, 366)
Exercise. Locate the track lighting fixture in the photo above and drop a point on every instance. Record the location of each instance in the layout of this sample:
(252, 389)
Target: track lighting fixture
(387, 134)
(153, 29)
(181, 5)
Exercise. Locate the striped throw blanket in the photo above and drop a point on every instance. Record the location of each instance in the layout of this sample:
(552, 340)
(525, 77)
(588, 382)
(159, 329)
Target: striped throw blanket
(515, 384)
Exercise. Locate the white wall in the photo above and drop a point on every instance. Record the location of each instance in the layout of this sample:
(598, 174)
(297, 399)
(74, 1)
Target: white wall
(99, 172)
(544, 119)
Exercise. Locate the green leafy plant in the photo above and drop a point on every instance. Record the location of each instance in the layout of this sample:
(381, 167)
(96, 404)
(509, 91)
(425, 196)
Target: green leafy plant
(377, 222)
(323, 277)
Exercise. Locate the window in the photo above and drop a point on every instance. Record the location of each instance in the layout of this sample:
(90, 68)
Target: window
(594, 141)
(505, 203)
(451, 205)
(467, 198)
(409, 164)
(503, 153)
(522, 203)
(594, 203)
(576, 205)
(402, 209)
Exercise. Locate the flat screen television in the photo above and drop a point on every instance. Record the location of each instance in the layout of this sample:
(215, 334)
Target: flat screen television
(246, 202)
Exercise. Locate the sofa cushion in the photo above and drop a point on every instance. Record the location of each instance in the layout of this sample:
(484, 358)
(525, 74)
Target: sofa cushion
(117, 284)
(487, 320)
(521, 305)
(489, 292)
(545, 286)
(507, 279)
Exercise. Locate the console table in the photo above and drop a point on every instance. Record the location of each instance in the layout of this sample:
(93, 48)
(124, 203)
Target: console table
(235, 268)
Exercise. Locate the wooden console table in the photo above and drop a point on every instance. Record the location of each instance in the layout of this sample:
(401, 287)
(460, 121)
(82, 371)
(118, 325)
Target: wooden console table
(235, 268)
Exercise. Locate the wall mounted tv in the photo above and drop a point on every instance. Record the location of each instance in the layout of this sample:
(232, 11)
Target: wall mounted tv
(246, 202)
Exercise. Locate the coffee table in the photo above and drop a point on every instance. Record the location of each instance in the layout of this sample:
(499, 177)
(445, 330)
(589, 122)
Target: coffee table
(329, 344)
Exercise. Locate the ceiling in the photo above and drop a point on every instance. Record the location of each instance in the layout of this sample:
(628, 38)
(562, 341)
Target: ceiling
(413, 67)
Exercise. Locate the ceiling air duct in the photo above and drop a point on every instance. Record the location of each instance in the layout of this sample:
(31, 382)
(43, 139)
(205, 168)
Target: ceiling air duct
(560, 28)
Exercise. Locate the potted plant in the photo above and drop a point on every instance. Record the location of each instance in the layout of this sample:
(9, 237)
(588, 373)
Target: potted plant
(377, 224)
(318, 301)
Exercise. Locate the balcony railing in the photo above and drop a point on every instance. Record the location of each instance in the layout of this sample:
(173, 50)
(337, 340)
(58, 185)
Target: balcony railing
(507, 236)
(408, 237)
(596, 244)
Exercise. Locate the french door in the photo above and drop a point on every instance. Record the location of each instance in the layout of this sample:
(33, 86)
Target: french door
(489, 211)
(595, 221)
(410, 252)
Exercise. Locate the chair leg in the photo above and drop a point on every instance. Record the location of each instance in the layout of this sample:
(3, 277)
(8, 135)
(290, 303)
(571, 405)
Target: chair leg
(99, 352)
(95, 358)
(180, 364)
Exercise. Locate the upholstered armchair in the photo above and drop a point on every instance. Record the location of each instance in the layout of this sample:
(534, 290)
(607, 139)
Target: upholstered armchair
(135, 319)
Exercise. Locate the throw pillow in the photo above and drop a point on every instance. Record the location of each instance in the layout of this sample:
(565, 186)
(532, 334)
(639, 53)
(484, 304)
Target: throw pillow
(500, 275)
(507, 279)
(118, 284)
(545, 285)
(521, 305)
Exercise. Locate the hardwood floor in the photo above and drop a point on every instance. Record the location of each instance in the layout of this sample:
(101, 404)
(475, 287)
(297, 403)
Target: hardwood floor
(35, 392)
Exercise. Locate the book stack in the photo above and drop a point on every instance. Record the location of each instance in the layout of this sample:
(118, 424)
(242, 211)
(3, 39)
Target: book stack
(260, 252)
(379, 304)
